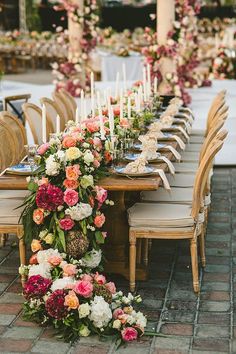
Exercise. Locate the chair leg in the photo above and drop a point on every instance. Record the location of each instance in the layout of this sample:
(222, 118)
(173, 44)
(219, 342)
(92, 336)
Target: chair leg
(22, 254)
(149, 245)
(202, 248)
(194, 261)
(145, 252)
(132, 260)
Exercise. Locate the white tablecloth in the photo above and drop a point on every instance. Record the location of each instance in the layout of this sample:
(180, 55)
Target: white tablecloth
(111, 64)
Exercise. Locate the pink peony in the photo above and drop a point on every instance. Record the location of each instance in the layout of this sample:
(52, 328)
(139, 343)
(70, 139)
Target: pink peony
(101, 194)
(55, 260)
(117, 312)
(111, 287)
(99, 220)
(71, 197)
(43, 148)
(69, 270)
(84, 288)
(99, 278)
(129, 334)
(66, 224)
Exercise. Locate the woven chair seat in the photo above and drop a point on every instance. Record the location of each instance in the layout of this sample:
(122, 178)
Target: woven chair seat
(182, 180)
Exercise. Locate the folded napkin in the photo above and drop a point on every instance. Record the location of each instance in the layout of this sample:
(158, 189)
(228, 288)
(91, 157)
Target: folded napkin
(174, 152)
(155, 128)
(166, 120)
(172, 109)
(185, 116)
(149, 145)
(179, 141)
(163, 178)
(169, 164)
(187, 126)
(180, 129)
(137, 166)
(176, 100)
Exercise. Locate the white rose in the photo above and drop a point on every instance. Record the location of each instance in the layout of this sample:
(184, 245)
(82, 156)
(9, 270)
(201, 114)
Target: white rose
(84, 310)
(88, 157)
(116, 324)
(84, 331)
(79, 211)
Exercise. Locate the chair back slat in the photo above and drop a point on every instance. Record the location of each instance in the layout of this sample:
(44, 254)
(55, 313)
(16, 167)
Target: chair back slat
(61, 104)
(53, 110)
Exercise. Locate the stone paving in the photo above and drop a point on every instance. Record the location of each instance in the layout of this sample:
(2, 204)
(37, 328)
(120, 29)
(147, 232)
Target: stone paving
(187, 323)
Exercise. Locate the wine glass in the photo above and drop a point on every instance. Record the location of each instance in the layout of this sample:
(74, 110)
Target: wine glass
(32, 156)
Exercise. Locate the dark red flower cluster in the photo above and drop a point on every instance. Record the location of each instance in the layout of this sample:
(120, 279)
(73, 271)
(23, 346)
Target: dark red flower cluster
(55, 305)
(49, 197)
(36, 286)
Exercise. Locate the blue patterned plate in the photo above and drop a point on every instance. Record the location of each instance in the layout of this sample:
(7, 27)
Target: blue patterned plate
(120, 170)
(21, 169)
(139, 146)
(133, 157)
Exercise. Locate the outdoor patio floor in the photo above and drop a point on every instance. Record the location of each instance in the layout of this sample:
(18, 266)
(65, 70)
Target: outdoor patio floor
(191, 324)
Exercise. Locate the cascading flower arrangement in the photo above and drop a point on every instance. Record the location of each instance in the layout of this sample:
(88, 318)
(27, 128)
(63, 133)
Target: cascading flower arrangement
(67, 74)
(224, 66)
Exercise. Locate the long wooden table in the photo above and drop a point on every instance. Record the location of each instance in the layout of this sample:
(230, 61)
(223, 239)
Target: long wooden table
(123, 191)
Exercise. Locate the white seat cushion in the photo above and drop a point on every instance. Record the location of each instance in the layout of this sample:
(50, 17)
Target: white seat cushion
(9, 215)
(191, 156)
(13, 194)
(197, 139)
(160, 215)
(186, 167)
(181, 180)
(199, 132)
(176, 195)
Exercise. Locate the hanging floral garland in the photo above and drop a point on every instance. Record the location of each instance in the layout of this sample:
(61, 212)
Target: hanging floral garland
(68, 74)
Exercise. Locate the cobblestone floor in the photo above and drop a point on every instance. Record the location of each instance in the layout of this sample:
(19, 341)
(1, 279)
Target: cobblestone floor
(191, 324)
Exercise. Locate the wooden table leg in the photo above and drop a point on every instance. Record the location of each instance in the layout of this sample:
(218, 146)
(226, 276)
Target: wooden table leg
(116, 247)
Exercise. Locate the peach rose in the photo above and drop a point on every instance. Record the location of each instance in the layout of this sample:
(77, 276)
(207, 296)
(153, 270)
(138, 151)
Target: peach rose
(70, 184)
(124, 123)
(99, 278)
(73, 172)
(71, 300)
(55, 260)
(38, 216)
(36, 245)
(111, 287)
(68, 142)
(87, 277)
(69, 270)
(99, 220)
(42, 181)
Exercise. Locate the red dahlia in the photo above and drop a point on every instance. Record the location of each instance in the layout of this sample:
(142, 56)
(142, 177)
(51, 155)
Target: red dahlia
(55, 305)
(49, 197)
(36, 286)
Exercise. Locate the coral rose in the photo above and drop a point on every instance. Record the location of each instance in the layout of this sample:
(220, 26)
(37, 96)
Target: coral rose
(99, 278)
(111, 287)
(73, 172)
(107, 156)
(71, 197)
(129, 334)
(38, 216)
(84, 288)
(117, 312)
(99, 220)
(71, 300)
(36, 246)
(70, 184)
(68, 142)
(69, 270)
(66, 224)
(92, 126)
(124, 123)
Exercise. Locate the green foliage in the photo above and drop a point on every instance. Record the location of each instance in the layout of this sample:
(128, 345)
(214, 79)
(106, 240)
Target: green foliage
(32, 16)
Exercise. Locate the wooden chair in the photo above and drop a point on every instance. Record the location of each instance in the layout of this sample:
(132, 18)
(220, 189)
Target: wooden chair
(8, 146)
(18, 129)
(14, 104)
(174, 222)
(53, 110)
(70, 103)
(33, 115)
(62, 105)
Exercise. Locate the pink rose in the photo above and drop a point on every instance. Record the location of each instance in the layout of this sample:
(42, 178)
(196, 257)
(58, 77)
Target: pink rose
(111, 287)
(66, 224)
(43, 148)
(96, 163)
(99, 278)
(124, 123)
(69, 270)
(101, 195)
(84, 288)
(87, 277)
(129, 334)
(92, 127)
(71, 197)
(99, 220)
(55, 260)
(117, 312)
(97, 143)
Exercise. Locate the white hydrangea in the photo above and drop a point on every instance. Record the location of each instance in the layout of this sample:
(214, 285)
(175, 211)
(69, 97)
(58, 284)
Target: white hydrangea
(92, 259)
(42, 256)
(52, 167)
(84, 310)
(43, 269)
(100, 312)
(62, 283)
(79, 211)
(60, 155)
